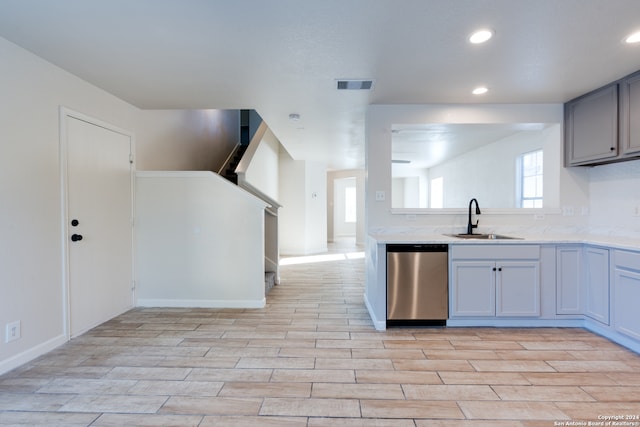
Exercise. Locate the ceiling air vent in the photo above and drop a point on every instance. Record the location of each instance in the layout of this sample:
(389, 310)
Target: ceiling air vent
(354, 84)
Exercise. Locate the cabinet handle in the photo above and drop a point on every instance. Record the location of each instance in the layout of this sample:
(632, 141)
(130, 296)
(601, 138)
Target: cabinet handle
(500, 269)
(612, 148)
(494, 269)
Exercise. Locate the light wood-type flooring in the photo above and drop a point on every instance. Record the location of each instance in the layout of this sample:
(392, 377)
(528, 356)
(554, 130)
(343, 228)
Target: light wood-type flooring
(312, 358)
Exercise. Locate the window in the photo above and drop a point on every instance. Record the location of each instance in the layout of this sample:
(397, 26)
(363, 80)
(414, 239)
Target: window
(529, 171)
(437, 192)
(350, 204)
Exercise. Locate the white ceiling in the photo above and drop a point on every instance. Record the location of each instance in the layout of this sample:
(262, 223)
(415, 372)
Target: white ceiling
(283, 56)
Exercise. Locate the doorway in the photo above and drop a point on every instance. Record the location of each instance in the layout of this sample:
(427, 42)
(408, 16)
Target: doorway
(97, 167)
(345, 199)
(345, 208)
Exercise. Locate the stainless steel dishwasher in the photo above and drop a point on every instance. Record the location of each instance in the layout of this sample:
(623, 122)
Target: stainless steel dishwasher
(417, 284)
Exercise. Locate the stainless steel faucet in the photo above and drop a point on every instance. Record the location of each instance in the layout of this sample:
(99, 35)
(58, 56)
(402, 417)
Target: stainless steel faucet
(471, 226)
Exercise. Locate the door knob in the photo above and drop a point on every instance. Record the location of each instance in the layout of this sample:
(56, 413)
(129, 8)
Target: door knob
(76, 237)
(74, 222)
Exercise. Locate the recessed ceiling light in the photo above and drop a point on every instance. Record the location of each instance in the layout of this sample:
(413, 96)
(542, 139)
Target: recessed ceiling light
(480, 36)
(294, 117)
(480, 90)
(633, 38)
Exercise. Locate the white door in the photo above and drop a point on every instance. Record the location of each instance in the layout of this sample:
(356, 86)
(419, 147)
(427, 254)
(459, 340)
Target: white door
(99, 215)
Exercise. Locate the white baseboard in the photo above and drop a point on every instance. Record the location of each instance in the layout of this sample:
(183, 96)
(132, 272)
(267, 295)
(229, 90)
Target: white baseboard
(201, 303)
(28, 355)
(380, 325)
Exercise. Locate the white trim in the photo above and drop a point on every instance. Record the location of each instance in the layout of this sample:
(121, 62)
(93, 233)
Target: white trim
(62, 129)
(166, 303)
(27, 356)
(67, 112)
(64, 114)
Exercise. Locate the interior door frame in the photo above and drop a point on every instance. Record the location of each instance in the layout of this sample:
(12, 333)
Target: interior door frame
(65, 115)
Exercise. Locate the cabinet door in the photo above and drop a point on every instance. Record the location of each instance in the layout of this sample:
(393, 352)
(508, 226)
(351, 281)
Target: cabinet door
(596, 264)
(592, 127)
(626, 297)
(568, 280)
(518, 288)
(473, 291)
(630, 115)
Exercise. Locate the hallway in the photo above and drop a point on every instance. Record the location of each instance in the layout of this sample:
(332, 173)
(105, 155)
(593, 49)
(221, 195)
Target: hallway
(312, 358)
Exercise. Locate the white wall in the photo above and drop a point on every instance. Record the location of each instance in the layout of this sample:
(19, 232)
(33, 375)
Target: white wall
(31, 229)
(292, 214)
(197, 140)
(303, 216)
(315, 197)
(263, 170)
(184, 257)
(31, 255)
(615, 198)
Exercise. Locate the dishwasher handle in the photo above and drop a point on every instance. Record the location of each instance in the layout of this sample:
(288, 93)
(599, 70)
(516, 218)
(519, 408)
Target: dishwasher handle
(421, 247)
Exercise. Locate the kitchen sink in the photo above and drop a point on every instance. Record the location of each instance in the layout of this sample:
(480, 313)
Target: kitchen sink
(483, 236)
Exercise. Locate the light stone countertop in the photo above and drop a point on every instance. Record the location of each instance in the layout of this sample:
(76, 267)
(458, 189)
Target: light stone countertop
(610, 241)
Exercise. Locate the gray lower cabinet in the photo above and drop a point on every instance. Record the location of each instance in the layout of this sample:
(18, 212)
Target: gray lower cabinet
(582, 281)
(596, 283)
(596, 278)
(473, 288)
(626, 293)
(591, 126)
(569, 289)
(495, 281)
(629, 114)
(518, 288)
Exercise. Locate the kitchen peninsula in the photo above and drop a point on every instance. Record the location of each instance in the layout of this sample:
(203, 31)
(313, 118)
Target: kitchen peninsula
(579, 280)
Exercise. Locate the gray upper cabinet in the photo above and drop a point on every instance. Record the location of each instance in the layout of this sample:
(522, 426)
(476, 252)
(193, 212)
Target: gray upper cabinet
(591, 125)
(603, 126)
(630, 115)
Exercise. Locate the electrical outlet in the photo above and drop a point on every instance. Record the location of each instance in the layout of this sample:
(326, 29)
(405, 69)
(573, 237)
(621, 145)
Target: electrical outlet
(380, 196)
(567, 210)
(538, 217)
(13, 331)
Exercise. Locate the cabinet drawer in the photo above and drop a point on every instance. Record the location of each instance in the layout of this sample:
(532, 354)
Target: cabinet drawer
(493, 252)
(628, 260)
